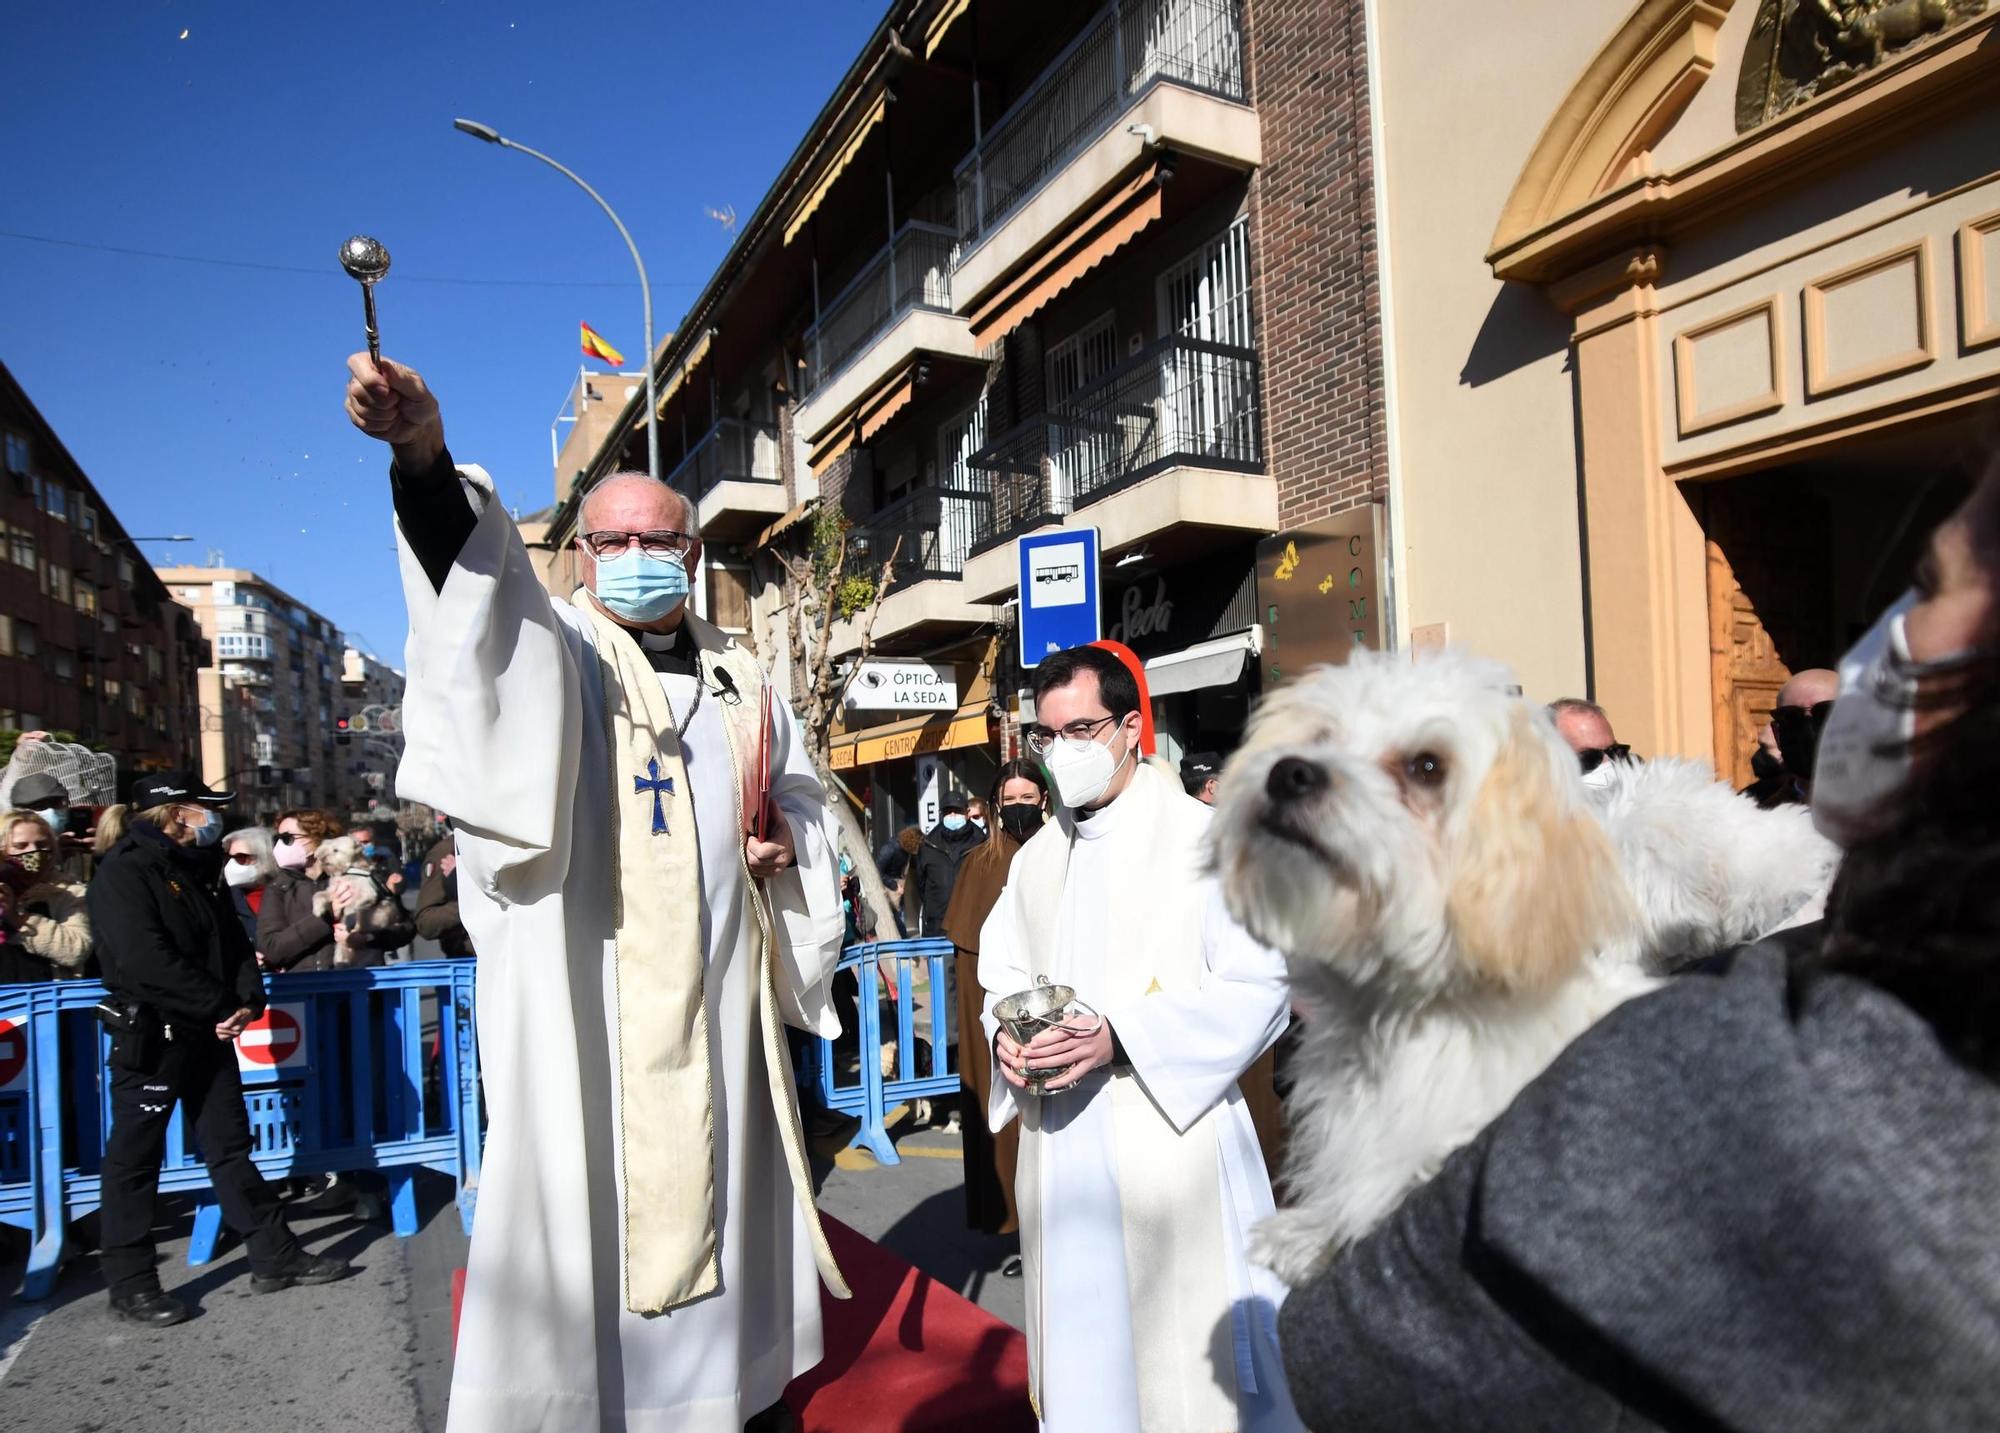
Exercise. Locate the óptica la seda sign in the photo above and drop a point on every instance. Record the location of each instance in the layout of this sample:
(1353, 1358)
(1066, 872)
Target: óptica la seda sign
(894, 686)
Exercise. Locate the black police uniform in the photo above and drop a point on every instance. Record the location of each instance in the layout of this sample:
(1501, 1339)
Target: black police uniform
(169, 943)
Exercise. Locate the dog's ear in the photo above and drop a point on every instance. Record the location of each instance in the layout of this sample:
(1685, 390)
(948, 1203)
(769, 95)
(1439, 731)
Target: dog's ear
(1537, 888)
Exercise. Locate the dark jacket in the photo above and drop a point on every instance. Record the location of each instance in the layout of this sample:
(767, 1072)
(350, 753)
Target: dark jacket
(293, 938)
(437, 903)
(1762, 1200)
(167, 935)
(937, 863)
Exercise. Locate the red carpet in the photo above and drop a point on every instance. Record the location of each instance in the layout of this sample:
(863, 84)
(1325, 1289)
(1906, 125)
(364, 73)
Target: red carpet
(907, 1355)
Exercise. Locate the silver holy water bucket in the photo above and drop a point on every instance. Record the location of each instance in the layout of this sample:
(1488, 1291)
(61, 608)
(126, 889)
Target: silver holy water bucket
(1029, 1013)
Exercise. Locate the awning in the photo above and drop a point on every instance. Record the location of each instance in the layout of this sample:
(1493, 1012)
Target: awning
(830, 447)
(887, 401)
(1112, 225)
(683, 369)
(841, 160)
(786, 523)
(940, 26)
(1217, 662)
(913, 736)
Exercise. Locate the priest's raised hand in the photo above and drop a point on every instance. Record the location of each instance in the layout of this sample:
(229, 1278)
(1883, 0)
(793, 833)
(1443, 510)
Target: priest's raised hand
(391, 402)
(639, 952)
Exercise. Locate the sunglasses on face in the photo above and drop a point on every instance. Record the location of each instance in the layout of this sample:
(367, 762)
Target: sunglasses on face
(243, 858)
(1592, 757)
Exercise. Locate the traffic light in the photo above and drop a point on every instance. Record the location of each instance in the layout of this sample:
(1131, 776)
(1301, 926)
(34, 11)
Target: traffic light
(344, 737)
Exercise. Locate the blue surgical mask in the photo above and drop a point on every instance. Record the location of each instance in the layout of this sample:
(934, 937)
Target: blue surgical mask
(373, 853)
(954, 822)
(210, 831)
(639, 587)
(846, 864)
(57, 817)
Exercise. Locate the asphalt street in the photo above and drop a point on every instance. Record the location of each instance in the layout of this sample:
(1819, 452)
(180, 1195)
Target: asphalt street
(374, 1352)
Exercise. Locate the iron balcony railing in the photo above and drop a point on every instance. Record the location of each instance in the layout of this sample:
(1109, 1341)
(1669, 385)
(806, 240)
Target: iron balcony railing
(1129, 46)
(912, 272)
(936, 527)
(1180, 402)
(734, 450)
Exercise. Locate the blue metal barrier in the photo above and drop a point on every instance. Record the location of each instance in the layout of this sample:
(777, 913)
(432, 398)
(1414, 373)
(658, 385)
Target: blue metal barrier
(341, 1078)
(873, 1094)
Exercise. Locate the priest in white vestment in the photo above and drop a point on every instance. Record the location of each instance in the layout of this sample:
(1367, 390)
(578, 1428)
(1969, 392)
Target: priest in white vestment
(646, 1253)
(1140, 1176)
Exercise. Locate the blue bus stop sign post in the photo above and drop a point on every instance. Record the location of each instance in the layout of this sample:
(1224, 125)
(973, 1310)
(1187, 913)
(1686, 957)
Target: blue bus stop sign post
(1059, 587)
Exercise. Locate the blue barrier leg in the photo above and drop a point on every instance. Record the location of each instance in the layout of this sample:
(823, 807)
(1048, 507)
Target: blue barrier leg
(45, 1163)
(874, 1132)
(207, 1230)
(403, 1202)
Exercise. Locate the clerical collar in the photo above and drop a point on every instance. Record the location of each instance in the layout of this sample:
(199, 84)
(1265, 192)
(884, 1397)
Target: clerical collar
(671, 652)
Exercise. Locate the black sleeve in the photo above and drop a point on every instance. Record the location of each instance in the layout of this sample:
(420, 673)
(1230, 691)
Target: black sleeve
(435, 515)
(140, 953)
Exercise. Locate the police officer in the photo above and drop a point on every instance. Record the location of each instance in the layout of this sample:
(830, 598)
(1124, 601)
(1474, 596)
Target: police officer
(184, 983)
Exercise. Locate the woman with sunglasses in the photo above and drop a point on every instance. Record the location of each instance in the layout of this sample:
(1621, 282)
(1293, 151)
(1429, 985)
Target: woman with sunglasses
(289, 935)
(248, 870)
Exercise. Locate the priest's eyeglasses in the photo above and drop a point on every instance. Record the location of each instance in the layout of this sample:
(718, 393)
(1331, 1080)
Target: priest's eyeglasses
(662, 542)
(1077, 734)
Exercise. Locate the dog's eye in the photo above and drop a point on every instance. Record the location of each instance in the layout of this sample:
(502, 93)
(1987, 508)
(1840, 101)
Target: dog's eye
(1426, 768)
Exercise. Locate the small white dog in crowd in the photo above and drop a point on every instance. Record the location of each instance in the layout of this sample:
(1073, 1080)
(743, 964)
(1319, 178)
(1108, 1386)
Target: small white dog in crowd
(371, 908)
(1417, 841)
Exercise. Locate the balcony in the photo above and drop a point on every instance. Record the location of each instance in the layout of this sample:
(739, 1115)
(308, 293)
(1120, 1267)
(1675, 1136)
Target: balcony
(931, 532)
(1171, 70)
(733, 477)
(898, 304)
(1183, 411)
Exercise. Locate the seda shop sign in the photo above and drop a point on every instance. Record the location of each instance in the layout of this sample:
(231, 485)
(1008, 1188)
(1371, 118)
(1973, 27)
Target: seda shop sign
(1166, 609)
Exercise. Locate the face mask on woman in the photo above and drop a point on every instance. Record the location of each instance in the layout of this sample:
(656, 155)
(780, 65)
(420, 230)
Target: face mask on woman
(1020, 821)
(1081, 776)
(56, 816)
(239, 875)
(292, 855)
(639, 587)
(1864, 750)
(32, 862)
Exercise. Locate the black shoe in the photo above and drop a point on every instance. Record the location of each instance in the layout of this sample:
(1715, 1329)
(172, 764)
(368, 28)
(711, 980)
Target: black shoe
(1010, 1267)
(301, 1268)
(778, 1418)
(150, 1307)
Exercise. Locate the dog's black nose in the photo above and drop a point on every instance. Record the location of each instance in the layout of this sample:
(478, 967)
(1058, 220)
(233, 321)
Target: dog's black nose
(1294, 779)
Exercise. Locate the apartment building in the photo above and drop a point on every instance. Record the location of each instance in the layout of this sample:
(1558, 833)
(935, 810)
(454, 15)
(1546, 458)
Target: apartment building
(91, 642)
(367, 749)
(275, 681)
(1021, 274)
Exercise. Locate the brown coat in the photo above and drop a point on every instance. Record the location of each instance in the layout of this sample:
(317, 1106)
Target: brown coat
(989, 1158)
(291, 937)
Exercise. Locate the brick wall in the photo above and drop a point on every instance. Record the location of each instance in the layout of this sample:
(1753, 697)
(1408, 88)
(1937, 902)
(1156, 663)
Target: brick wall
(1312, 222)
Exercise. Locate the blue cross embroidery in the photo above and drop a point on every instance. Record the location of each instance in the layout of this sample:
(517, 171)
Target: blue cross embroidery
(657, 785)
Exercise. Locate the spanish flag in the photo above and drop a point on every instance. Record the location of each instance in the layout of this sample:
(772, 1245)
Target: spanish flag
(594, 346)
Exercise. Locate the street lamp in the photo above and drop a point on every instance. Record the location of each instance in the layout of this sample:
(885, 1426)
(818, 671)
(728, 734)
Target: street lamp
(493, 136)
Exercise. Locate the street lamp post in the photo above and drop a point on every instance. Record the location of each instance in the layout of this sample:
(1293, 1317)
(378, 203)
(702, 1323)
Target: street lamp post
(493, 136)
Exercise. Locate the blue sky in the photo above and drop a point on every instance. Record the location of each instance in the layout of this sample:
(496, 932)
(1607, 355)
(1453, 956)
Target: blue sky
(205, 399)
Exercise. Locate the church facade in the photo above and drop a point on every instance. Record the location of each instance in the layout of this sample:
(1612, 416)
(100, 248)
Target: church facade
(1693, 316)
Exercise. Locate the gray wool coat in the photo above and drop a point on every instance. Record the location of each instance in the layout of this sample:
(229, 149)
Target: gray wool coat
(1749, 1201)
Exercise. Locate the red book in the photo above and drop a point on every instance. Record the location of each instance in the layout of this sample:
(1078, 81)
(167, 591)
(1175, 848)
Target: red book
(757, 793)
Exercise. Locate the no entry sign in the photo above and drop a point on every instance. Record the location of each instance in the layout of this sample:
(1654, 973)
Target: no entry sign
(274, 1041)
(13, 1055)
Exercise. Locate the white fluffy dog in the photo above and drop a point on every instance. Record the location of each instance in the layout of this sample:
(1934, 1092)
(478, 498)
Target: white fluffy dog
(371, 909)
(1418, 842)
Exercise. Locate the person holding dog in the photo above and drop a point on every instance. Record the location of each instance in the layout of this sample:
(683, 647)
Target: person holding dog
(293, 932)
(1139, 1174)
